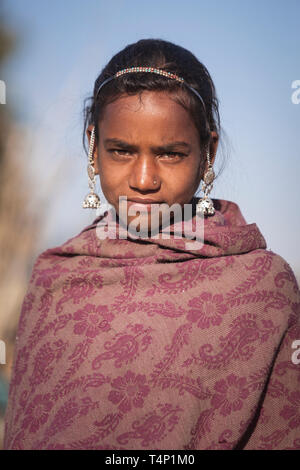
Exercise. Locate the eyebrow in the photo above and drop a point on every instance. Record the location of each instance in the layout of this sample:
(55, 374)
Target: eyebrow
(157, 148)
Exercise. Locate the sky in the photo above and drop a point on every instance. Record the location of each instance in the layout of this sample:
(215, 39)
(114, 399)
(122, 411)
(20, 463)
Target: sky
(251, 49)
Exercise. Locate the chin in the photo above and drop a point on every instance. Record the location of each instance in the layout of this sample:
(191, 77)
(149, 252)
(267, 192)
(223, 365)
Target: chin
(142, 224)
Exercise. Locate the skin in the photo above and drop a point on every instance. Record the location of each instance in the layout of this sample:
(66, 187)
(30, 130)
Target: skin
(152, 121)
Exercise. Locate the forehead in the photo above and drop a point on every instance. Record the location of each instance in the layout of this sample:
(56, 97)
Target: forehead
(149, 113)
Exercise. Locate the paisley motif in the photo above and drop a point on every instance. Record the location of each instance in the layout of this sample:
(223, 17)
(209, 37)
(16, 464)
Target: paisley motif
(132, 344)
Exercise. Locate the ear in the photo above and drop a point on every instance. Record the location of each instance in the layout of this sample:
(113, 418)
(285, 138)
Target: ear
(95, 151)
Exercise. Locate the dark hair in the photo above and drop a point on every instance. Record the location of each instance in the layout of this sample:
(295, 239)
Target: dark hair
(165, 55)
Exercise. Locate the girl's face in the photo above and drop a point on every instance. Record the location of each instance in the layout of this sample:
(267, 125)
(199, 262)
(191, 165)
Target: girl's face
(141, 141)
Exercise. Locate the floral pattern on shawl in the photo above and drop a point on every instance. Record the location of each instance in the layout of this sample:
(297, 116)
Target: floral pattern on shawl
(130, 344)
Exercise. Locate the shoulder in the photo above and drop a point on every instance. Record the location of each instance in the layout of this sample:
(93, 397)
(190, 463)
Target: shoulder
(271, 266)
(268, 285)
(283, 274)
(78, 244)
(284, 286)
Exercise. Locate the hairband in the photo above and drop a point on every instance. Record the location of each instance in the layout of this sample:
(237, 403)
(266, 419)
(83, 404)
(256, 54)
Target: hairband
(152, 70)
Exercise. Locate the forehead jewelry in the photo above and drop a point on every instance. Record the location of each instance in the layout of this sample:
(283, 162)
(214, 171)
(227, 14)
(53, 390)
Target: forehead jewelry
(173, 76)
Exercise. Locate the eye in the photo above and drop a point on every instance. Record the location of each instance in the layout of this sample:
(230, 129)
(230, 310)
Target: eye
(173, 155)
(119, 151)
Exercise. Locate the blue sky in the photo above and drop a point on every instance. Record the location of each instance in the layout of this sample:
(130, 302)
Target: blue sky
(251, 49)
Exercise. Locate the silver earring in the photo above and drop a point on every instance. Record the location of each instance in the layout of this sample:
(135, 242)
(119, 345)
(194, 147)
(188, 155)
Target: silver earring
(205, 205)
(92, 200)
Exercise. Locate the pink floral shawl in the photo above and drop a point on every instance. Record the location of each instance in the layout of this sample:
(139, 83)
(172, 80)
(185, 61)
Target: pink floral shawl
(130, 344)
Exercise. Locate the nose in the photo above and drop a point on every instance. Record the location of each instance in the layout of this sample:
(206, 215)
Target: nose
(144, 175)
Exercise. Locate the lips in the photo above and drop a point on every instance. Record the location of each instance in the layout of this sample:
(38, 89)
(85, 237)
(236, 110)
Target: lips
(144, 201)
(142, 205)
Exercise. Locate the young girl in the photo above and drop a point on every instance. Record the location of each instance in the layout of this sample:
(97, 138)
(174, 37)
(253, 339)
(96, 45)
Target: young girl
(134, 334)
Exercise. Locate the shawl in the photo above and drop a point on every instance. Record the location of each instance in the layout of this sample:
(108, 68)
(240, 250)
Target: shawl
(145, 344)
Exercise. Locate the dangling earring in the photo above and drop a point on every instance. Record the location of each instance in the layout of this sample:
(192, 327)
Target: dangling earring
(205, 205)
(92, 200)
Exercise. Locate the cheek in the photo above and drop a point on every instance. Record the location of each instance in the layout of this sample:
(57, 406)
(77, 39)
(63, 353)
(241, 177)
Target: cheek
(110, 175)
(112, 181)
(183, 179)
